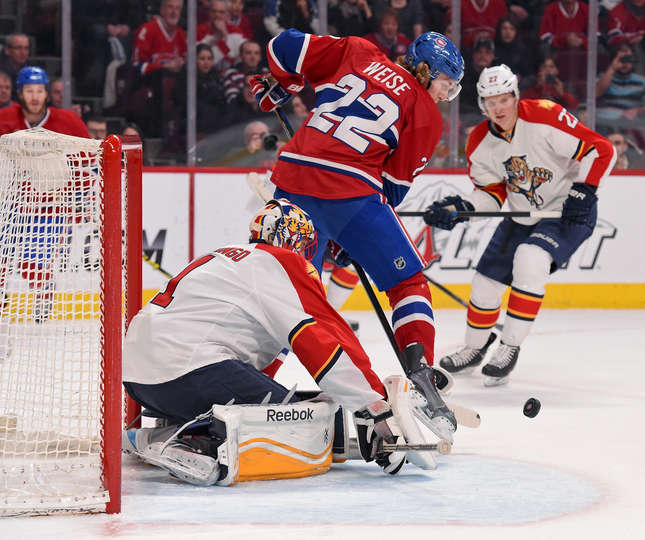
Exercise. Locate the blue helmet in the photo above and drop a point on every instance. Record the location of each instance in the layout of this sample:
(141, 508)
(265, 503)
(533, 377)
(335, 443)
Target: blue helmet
(31, 75)
(440, 54)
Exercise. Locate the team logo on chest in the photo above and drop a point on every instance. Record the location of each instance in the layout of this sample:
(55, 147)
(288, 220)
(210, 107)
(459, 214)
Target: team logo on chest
(522, 179)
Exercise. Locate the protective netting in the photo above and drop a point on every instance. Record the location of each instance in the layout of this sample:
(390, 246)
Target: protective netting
(51, 261)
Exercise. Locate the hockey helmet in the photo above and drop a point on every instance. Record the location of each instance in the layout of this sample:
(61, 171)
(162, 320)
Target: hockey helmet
(31, 75)
(441, 55)
(283, 224)
(495, 81)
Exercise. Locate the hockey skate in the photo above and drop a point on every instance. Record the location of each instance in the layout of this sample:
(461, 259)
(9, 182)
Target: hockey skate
(501, 364)
(467, 358)
(427, 404)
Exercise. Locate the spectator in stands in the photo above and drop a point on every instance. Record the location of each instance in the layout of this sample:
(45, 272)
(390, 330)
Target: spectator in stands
(627, 23)
(621, 92)
(388, 38)
(235, 77)
(299, 14)
(212, 112)
(97, 126)
(161, 43)
(224, 38)
(299, 111)
(14, 56)
(409, 14)
(549, 86)
(564, 25)
(629, 154)
(482, 56)
(5, 90)
(435, 15)
(237, 18)
(132, 129)
(349, 18)
(479, 18)
(56, 98)
(512, 50)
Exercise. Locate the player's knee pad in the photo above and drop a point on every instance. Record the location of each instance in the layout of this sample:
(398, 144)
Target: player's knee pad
(531, 268)
(283, 441)
(486, 292)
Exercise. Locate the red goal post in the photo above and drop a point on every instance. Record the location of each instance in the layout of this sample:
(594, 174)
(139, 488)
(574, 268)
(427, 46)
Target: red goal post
(70, 282)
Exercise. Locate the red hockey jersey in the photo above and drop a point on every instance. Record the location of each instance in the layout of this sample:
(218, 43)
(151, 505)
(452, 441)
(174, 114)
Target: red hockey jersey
(557, 23)
(624, 25)
(58, 120)
(373, 129)
(153, 46)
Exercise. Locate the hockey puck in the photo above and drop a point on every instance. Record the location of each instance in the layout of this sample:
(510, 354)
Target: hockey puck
(532, 407)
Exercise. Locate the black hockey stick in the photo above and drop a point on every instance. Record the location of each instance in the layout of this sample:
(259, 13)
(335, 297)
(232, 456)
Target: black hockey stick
(531, 214)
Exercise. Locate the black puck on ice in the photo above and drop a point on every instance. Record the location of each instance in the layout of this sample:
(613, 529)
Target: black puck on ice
(532, 407)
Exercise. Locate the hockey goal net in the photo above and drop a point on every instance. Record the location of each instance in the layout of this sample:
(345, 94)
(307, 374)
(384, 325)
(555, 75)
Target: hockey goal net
(70, 280)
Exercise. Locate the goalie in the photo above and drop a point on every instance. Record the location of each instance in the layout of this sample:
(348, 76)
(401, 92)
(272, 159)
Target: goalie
(202, 355)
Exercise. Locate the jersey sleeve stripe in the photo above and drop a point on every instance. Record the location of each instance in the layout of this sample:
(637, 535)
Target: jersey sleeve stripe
(496, 191)
(299, 328)
(329, 363)
(287, 50)
(303, 53)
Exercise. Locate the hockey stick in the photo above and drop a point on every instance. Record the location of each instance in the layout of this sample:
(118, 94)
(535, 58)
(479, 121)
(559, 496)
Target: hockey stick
(464, 416)
(156, 266)
(531, 214)
(443, 447)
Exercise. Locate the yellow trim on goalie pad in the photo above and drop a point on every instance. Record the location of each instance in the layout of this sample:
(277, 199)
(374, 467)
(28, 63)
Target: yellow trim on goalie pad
(266, 459)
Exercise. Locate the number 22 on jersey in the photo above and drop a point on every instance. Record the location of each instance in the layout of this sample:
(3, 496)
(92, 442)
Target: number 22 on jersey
(358, 120)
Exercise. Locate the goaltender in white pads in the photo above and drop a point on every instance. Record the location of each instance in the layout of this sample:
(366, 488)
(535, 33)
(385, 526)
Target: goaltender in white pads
(201, 352)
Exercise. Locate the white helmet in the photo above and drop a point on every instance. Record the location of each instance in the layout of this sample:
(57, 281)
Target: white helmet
(495, 81)
(284, 224)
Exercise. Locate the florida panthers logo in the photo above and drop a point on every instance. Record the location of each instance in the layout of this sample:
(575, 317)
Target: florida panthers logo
(522, 179)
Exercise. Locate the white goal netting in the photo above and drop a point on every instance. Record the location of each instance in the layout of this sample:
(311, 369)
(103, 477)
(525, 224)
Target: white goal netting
(51, 323)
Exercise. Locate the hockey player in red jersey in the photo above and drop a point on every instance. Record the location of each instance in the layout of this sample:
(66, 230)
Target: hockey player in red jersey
(373, 130)
(212, 334)
(31, 109)
(39, 229)
(534, 155)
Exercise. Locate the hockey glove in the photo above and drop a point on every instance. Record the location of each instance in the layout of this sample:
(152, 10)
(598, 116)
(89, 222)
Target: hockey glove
(375, 424)
(268, 96)
(336, 254)
(441, 213)
(577, 206)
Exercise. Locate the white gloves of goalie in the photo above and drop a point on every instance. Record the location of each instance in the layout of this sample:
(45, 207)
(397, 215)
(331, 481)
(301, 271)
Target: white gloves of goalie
(376, 424)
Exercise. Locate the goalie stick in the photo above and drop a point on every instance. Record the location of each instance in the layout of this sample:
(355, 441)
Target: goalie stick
(155, 265)
(442, 447)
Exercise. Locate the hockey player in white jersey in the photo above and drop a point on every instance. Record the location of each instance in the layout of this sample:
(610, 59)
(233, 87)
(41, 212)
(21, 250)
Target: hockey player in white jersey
(534, 155)
(201, 352)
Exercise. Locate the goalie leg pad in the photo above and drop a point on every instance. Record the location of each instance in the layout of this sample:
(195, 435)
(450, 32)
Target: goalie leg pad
(284, 441)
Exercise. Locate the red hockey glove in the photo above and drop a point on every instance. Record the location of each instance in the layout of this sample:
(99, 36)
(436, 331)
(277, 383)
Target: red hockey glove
(268, 96)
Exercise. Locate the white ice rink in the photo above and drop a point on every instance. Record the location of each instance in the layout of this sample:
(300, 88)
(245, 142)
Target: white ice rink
(577, 470)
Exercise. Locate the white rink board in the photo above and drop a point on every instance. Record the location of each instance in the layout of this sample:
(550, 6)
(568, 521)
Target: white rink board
(224, 206)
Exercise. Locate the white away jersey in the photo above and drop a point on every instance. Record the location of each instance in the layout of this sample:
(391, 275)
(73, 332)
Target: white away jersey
(247, 302)
(534, 166)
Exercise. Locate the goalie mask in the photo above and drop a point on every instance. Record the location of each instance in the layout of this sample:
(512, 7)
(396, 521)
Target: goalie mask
(283, 224)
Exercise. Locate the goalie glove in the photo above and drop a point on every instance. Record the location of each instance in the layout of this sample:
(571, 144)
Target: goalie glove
(441, 213)
(268, 96)
(376, 424)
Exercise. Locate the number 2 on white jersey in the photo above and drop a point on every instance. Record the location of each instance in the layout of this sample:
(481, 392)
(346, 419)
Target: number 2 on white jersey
(355, 131)
(571, 120)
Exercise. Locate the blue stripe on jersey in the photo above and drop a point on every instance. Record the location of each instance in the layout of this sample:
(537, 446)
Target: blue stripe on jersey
(338, 170)
(286, 48)
(395, 193)
(411, 309)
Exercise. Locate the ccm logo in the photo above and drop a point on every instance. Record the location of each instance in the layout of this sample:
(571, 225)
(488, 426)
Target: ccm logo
(293, 414)
(295, 87)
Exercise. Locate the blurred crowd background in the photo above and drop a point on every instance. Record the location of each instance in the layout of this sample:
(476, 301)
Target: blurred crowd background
(129, 65)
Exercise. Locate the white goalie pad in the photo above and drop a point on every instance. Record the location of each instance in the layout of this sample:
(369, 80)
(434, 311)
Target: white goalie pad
(398, 395)
(284, 440)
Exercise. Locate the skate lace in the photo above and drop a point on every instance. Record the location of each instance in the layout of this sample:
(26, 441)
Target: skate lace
(503, 355)
(464, 356)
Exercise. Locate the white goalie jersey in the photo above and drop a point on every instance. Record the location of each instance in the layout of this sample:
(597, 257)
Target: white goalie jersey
(534, 166)
(248, 302)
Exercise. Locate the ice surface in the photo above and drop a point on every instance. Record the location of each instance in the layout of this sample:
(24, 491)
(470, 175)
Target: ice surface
(574, 471)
